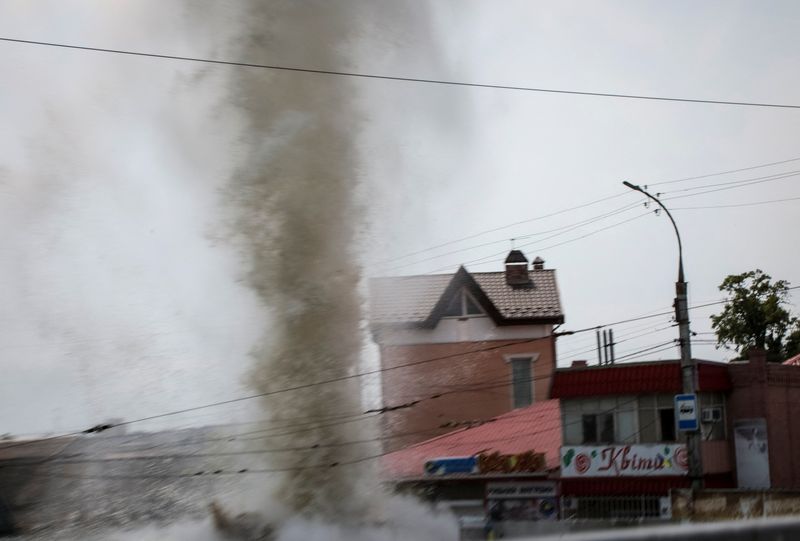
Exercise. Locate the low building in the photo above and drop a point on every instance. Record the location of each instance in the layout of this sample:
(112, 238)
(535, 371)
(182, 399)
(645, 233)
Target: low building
(482, 342)
(507, 465)
(621, 452)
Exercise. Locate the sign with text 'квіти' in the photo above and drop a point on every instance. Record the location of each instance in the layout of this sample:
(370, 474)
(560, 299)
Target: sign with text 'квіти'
(642, 460)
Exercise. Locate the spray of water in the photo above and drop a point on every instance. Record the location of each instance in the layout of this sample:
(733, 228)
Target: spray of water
(297, 218)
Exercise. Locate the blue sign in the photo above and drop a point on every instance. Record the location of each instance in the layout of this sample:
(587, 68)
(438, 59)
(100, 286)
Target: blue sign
(686, 412)
(457, 464)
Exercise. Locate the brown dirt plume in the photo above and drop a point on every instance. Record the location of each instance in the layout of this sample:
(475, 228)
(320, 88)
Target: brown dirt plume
(296, 216)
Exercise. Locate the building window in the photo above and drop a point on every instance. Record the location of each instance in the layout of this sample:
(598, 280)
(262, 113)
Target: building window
(463, 305)
(667, 423)
(522, 381)
(657, 419)
(600, 420)
(598, 428)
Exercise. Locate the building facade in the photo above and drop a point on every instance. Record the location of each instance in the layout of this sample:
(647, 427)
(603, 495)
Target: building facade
(620, 438)
(462, 348)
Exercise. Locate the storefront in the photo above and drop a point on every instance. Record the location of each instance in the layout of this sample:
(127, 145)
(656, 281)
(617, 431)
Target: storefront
(522, 501)
(621, 481)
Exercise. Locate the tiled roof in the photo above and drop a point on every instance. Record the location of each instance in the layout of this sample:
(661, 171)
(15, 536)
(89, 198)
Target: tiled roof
(411, 299)
(535, 428)
(405, 298)
(638, 378)
(541, 300)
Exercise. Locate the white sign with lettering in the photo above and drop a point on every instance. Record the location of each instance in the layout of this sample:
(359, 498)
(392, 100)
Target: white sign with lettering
(640, 460)
(530, 489)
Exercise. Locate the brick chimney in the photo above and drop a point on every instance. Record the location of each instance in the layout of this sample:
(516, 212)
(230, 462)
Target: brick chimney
(538, 263)
(517, 269)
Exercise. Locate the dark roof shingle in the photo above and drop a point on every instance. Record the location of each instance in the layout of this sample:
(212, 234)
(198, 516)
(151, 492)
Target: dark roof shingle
(411, 299)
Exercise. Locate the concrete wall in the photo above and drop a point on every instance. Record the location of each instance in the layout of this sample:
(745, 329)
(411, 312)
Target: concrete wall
(714, 505)
(464, 367)
(783, 529)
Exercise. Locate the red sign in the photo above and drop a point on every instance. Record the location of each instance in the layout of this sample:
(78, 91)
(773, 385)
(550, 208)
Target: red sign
(528, 461)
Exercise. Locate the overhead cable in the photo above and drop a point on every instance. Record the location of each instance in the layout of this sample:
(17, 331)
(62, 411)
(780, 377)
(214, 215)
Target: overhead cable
(362, 75)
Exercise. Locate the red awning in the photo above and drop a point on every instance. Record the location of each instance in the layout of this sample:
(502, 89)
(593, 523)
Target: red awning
(638, 378)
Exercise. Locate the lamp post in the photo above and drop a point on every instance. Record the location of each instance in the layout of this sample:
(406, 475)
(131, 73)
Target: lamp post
(688, 369)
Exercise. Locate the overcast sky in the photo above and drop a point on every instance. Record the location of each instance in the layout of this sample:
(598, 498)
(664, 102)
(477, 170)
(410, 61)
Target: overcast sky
(120, 295)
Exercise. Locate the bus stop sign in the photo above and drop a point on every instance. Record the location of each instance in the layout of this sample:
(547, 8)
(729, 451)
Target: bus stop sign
(686, 412)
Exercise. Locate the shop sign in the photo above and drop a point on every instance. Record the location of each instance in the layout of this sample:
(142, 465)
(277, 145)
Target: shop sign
(531, 489)
(624, 460)
(522, 501)
(448, 465)
(527, 462)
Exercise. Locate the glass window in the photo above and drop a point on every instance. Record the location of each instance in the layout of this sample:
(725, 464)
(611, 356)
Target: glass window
(573, 428)
(667, 423)
(605, 422)
(626, 426)
(461, 305)
(522, 382)
(589, 429)
(648, 429)
(598, 428)
(472, 306)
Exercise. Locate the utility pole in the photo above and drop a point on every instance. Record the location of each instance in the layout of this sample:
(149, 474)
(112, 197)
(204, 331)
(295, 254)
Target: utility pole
(688, 368)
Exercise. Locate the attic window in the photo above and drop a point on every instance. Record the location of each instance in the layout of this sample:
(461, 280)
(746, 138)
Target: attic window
(463, 305)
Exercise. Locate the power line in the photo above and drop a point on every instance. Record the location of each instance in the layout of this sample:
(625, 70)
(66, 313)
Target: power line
(240, 471)
(725, 186)
(591, 233)
(507, 226)
(557, 232)
(100, 428)
(636, 334)
(742, 182)
(584, 205)
(75, 459)
(663, 346)
(756, 203)
(103, 427)
(360, 75)
(722, 172)
(730, 187)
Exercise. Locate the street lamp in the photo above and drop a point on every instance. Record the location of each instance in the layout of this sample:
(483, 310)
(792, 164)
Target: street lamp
(688, 370)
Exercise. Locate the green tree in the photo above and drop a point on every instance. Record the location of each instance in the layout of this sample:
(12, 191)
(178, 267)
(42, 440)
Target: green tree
(755, 316)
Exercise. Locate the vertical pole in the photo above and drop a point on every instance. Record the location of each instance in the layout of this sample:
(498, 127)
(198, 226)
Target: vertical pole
(688, 368)
(688, 377)
(611, 344)
(599, 351)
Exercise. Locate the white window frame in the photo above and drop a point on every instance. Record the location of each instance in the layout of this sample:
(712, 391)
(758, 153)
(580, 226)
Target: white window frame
(573, 411)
